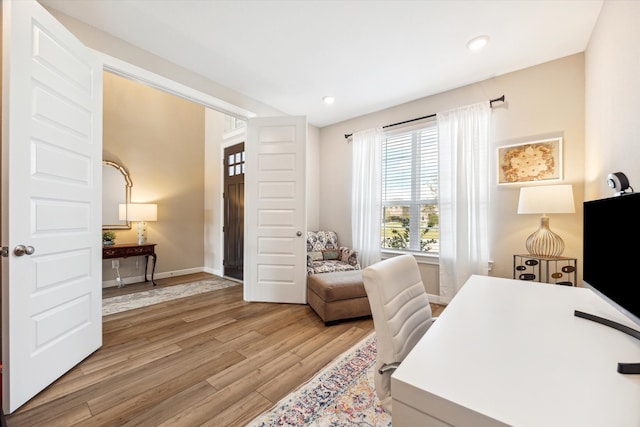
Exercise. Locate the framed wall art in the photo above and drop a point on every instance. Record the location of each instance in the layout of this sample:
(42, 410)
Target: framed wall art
(535, 161)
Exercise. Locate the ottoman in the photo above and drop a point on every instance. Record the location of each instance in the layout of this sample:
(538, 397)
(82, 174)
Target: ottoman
(337, 296)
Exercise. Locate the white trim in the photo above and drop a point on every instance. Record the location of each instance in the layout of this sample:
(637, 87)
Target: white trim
(214, 271)
(421, 257)
(239, 132)
(437, 299)
(133, 72)
(138, 279)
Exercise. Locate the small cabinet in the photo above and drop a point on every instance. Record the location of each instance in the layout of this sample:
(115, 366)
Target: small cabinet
(554, 270)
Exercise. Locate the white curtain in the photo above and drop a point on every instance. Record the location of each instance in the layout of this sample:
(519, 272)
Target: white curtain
(463, 135)
(366, 195)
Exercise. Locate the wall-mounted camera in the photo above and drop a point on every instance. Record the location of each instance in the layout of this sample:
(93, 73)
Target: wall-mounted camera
(619, 182)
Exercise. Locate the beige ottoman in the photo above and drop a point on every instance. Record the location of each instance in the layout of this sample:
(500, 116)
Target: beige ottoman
(337, 296)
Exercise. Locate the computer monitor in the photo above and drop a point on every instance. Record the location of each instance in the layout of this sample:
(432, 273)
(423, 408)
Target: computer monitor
(611, 260)
(611, 251)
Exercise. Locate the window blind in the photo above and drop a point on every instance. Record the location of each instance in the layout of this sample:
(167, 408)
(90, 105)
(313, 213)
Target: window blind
(409, 186)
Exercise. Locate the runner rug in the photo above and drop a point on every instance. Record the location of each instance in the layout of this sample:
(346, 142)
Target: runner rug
(342, 394)
(154, 296)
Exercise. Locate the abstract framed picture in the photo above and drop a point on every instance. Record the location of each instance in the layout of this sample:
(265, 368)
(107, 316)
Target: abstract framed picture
(534, 161)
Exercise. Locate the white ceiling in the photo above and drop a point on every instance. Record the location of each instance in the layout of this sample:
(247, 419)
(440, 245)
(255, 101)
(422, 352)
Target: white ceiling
(368, 54)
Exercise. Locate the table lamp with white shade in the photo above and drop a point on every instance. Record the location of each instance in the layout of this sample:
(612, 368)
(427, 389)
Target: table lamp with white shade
(546, 199)
(140, 212)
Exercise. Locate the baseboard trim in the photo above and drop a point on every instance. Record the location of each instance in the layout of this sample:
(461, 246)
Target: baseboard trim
(437, 299)
(163, 275)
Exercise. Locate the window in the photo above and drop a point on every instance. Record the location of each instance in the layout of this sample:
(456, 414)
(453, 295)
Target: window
(410, 190)
(232, 123)
(235, 164)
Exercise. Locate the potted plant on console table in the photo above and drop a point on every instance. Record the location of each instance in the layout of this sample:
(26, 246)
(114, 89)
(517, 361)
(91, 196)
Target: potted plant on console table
(108, 238)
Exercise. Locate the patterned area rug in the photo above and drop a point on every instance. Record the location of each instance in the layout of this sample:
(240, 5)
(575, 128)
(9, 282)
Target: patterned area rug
(342, 394)
(154, 296)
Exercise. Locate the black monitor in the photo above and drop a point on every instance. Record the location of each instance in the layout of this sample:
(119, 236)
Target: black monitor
(611, 257)
(611, 251)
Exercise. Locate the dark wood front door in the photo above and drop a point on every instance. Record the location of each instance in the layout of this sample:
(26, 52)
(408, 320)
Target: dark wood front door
(234, 211)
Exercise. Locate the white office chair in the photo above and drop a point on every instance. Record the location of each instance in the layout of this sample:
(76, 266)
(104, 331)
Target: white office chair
(401, 315)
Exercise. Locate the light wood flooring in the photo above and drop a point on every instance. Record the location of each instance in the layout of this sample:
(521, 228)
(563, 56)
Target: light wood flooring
(210, 359)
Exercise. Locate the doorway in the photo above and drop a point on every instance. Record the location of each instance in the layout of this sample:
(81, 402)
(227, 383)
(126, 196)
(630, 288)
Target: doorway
(233, 199)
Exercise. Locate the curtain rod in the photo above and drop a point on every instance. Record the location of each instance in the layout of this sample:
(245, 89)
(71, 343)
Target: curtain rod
(491, 101)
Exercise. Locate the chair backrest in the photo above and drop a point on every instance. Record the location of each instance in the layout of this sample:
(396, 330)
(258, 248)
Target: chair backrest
(321, 240)
(401, 314)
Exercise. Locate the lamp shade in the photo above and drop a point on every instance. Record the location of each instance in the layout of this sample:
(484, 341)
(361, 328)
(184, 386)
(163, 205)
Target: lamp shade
(546, 199)
(138, 212)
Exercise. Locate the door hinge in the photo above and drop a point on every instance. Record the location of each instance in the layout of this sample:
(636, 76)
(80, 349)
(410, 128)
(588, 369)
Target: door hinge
(5, 251)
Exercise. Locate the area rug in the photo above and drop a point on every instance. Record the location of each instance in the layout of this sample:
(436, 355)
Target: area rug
(342, 394)
(154, 296)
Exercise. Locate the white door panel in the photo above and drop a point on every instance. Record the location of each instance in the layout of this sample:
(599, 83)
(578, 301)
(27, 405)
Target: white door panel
(275, 216)
(51, 201)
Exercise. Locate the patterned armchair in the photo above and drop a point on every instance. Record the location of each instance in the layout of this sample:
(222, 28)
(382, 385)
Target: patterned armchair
(324, 255)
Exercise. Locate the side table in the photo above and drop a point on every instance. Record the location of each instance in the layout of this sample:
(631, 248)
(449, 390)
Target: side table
(126, 250)
(554, 270)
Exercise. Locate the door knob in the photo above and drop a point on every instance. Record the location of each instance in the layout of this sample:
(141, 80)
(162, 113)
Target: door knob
(299, 233)
(22, 250)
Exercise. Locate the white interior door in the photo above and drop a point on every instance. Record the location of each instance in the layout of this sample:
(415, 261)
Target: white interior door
(51, 201)
(275, 213)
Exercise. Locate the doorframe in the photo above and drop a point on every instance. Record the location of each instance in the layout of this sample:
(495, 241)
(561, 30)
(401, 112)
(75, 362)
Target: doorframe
(149, 78)
(156, 81)
(230, 139)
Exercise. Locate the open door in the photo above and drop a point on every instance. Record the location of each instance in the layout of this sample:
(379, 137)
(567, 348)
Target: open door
(234, 161)
(275, 210)
(51, 201)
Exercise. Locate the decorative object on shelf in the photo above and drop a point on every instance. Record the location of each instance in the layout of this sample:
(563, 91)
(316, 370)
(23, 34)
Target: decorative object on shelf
(530, 161)
(140, 212)
(108, 238)
(619, 182)
(546, 199)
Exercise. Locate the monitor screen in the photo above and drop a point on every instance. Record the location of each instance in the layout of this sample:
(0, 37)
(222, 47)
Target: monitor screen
(611, 251)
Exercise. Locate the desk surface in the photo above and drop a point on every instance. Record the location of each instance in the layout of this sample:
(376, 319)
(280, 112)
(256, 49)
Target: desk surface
(508, 352)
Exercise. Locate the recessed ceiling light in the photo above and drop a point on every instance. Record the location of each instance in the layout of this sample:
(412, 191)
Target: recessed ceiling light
(328, 100)
(478, 43)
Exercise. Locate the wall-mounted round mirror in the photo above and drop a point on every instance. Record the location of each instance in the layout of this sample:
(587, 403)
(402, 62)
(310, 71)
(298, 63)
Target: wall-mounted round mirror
(116, 190)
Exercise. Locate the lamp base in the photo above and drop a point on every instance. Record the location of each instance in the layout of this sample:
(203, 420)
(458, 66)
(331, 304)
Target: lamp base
(142, 232)
(545, 242)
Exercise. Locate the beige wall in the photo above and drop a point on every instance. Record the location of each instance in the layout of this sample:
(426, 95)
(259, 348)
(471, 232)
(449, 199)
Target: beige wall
(541, 101)
(159, 139)
(613, 98)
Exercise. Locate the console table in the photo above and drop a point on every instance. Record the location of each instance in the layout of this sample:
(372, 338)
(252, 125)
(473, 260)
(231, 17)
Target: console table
(511, 353)
(126, 250)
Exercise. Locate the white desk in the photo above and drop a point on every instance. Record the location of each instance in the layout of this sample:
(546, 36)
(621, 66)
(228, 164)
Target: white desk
(508, 352)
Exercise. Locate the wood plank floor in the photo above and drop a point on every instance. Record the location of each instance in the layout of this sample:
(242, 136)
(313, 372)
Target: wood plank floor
(210, 359)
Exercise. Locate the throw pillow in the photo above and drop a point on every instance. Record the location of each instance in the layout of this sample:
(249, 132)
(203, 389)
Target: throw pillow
(330, 254)
(316, 256)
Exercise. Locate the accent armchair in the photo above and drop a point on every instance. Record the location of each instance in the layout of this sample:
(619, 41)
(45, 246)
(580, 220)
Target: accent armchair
(325, 255)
